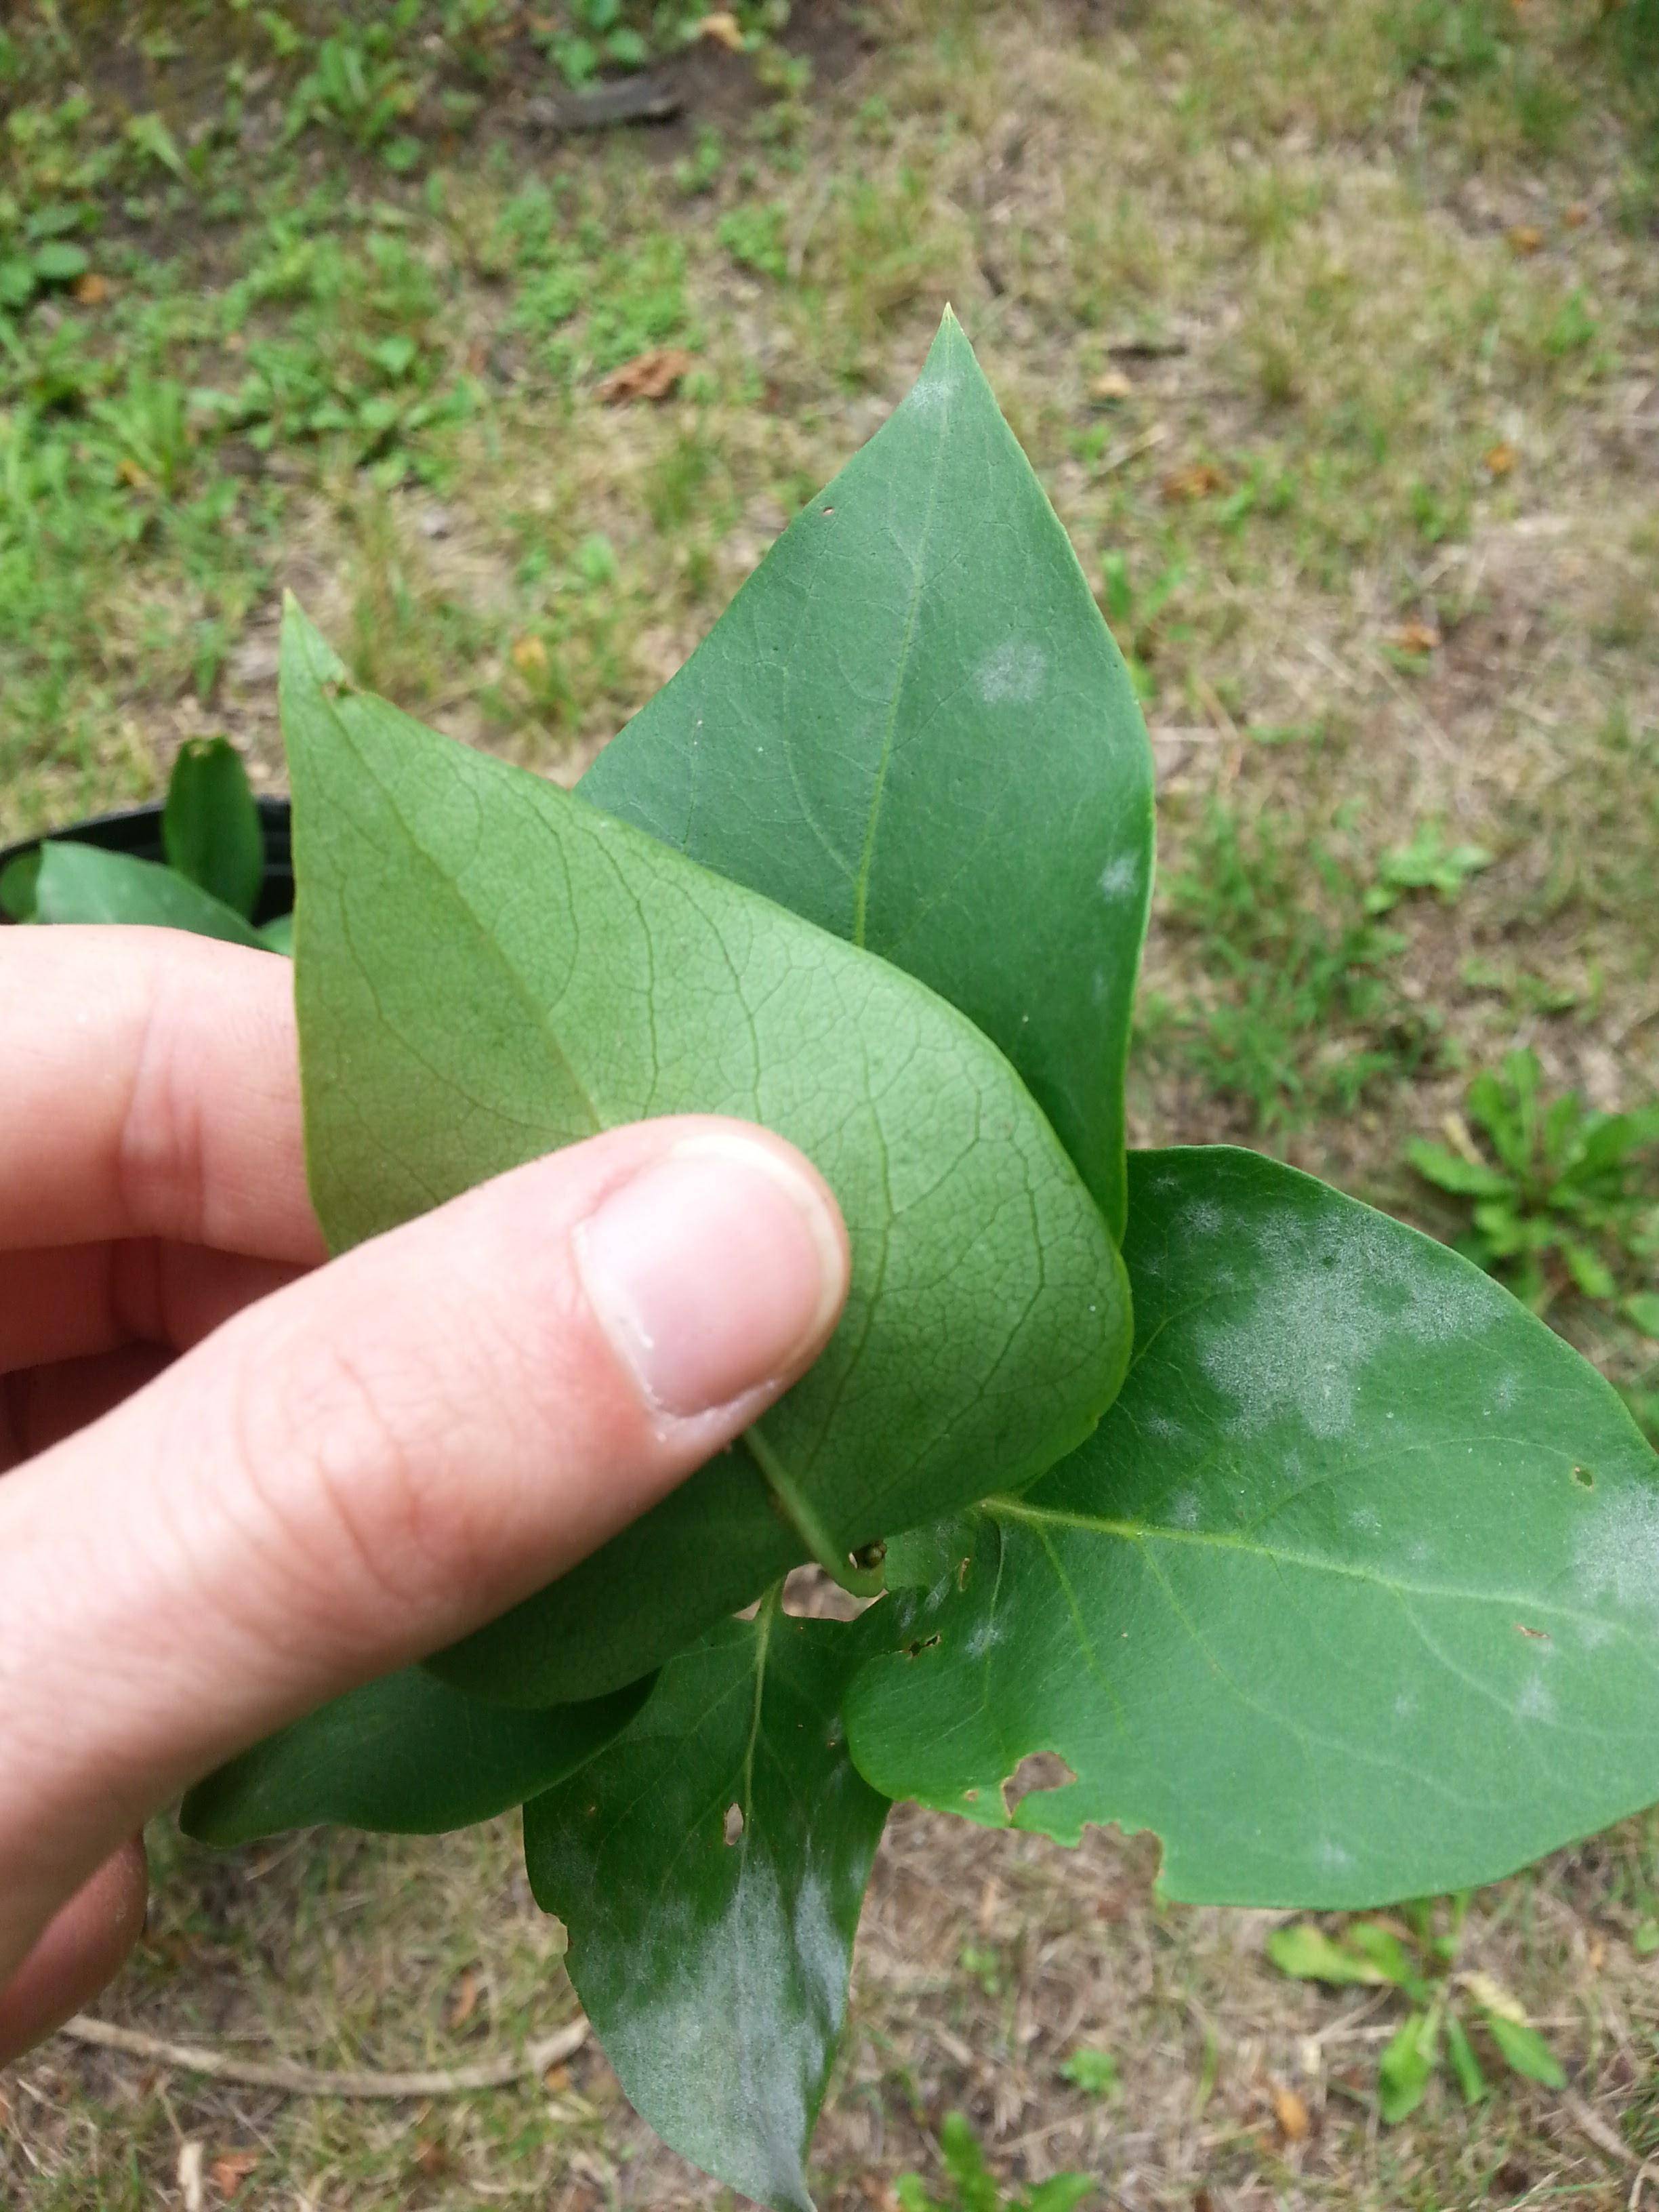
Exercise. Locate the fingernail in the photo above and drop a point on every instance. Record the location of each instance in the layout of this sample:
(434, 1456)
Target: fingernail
(715, 1272)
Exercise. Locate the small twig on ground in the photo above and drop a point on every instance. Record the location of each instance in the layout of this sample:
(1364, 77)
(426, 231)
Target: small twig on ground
(1590, 2124)
(313, 2081)
(1132, 450)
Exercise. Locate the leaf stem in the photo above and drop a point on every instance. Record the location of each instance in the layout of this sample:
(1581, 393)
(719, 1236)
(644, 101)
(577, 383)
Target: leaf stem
(799, 1511)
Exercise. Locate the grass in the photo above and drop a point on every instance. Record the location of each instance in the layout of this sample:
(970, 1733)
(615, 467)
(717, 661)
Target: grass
(1333, 330)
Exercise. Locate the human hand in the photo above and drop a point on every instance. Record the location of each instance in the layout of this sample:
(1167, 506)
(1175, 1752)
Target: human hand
(235, 1481)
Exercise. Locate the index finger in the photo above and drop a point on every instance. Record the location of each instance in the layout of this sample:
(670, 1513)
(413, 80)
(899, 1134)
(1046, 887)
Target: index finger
(151, 1089)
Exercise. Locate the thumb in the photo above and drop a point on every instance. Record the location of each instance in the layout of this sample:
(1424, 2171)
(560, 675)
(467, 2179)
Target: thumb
(379, 1458)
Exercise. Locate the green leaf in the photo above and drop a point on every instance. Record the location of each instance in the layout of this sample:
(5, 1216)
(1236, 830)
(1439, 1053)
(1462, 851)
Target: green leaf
(709, 1866)
(1467, 1178)
(16, 280)
(19, 880)
(408, 1756)
(1407, 2066)
(1641, 1307)
(278, 936)
(211, 828)
(1589, 1270)
(964, 2161)
(1061, 2192)
(1353, 1595)
(1388, 1954)
(1309, 1955)
(912, 727)
(488, 968)
(1464, 2063)
(1094, 2072)
(1525, 2050)
(83, 882)
(58, 262)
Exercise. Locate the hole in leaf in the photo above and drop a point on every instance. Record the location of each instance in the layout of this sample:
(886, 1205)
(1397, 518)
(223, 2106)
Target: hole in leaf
(1539, 1635)
(1583, 1478)
(1038, 1770)
(812, 1594)
(733, 1830)
(926, 1643)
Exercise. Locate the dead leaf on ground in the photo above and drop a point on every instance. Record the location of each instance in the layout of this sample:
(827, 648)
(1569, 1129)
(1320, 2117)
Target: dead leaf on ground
(1524, 237)
(228, 2173)
(1199, 480)
(1291, 2114)
(92, 290)
(654, 375)
(1491, 1995)
(1113, 385)
(1500, 458)
(464, 2001)
(724, 28)
(1576, 216)
(1416, 637)
(529, 656)
(557, 2080)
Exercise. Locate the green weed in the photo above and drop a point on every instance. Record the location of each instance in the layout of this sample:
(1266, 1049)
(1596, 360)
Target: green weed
(754, 237)
(1426, 863)
(1136, 614)
(1461, 47)
(1297, 1010)
(1417, 1954)
(1096, 2072)
(1560, 1195)
(970, 2186)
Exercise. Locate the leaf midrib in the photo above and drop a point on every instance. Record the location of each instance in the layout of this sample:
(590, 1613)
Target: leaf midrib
(866, 858)
(1138, 1532)
(450, 885)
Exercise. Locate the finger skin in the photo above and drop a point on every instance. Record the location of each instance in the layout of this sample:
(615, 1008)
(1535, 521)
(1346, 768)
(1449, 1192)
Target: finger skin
(349, 1475)
(152, 1088)
(85, 1945)
(75, 1300)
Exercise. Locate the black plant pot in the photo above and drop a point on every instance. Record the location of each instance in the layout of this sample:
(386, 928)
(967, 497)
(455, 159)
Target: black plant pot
(137, 830)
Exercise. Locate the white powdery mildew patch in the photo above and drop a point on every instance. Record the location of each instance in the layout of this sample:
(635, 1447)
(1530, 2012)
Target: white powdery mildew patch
(1536, 1701)
(1184, 1508)
(1012, 673)
(933, 392)
(1617, 1553)
(1337, 1292)
(718, 2010)
(981, 1639)
(1120, 878)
